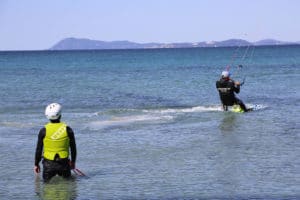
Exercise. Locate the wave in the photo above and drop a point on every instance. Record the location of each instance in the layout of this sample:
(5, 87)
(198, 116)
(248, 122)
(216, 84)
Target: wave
(185, 109)
(126, 120)
(153, 115)
(256, 107)
(125, 117)
(145, 116)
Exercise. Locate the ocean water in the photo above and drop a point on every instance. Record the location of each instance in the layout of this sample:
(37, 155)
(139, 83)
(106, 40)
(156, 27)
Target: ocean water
(149, 125)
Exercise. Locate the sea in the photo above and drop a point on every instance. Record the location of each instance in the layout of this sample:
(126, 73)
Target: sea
(148, 123)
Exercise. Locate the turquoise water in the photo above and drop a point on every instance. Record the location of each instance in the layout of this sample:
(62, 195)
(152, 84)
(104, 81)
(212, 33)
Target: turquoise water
(149, 125)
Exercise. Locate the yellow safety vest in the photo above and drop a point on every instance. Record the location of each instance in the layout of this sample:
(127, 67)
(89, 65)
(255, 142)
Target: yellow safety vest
(56, 141)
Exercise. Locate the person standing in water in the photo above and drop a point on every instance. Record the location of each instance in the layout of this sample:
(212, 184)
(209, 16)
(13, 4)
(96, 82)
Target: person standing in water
(227, 89)
(54, 142)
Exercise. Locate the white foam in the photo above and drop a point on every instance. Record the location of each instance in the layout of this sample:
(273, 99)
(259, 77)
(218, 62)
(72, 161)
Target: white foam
(121, 121)
(186, 110)
(256, 106)
(159, 115)
(197, 109)
(16, 124)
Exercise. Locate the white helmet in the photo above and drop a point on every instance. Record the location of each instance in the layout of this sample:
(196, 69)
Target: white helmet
(225, 74)
(53, 111)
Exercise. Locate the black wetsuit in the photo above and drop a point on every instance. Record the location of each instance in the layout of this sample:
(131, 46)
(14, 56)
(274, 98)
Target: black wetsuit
(227, 88)
(57, 166)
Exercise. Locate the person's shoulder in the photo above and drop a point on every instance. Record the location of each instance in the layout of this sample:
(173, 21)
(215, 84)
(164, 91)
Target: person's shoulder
(42, 132)
(230, 81)
(219, 81)
(69, 129)
(66, 125)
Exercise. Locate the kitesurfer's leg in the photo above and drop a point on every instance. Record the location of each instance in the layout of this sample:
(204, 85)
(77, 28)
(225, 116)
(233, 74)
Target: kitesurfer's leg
(64, 169)
(242, 105)
(48, 170)
(225, 108)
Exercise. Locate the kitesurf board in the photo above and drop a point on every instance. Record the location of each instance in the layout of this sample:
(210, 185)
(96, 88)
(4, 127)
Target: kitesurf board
(252, 107)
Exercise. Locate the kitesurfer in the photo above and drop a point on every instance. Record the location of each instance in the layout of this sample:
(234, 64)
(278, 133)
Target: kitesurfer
(54, 142)
(227, 87)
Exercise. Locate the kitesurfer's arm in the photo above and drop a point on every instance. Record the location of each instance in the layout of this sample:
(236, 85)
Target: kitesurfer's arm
(39, 150)
(72, 147)
(217, 84)
(236, 86)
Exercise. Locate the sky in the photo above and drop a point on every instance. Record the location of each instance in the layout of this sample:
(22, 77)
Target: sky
(40, 24)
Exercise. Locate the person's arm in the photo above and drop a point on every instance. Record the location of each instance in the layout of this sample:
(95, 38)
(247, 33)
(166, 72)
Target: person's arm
(39, 150)
(72, 146)
(236, 86)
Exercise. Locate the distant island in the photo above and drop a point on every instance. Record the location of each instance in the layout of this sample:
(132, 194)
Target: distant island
(87, 44)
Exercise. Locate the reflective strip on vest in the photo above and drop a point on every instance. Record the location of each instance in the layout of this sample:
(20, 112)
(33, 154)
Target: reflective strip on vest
(56, 141)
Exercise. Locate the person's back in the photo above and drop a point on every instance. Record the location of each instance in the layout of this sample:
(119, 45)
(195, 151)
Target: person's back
(55, 140)
(226, 90)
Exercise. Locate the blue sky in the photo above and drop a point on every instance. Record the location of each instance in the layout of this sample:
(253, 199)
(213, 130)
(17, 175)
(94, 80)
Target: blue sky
(36, 24)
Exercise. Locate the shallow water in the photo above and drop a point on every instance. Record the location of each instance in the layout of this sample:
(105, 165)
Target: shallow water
(149, 125)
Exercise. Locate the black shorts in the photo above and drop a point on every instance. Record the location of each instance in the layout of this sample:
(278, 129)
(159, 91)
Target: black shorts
(59, 167)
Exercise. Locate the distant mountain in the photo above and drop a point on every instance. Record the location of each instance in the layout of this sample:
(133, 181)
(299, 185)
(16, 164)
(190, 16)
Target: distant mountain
(74, 43)
(272, 42)
(81, 44)
(234, 42)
